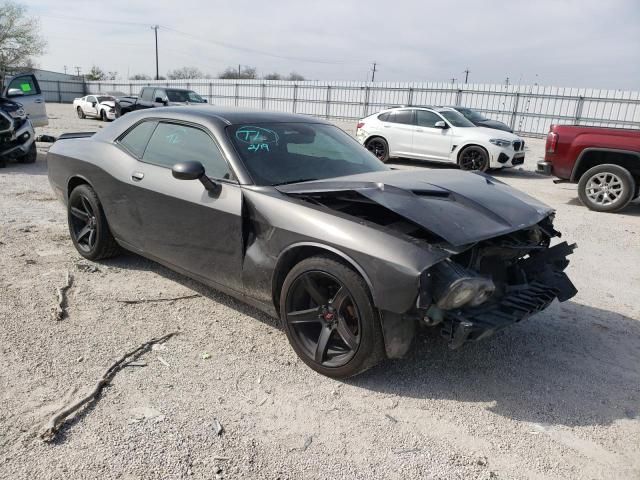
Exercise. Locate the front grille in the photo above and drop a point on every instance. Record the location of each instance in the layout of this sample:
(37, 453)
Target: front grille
(517, 145)
(5, 122)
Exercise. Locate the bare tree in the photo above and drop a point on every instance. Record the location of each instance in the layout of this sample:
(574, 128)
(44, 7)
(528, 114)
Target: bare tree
(112, 75)
(19, 36)
(273, 76)
(243, 73)
(296, 77)
(185, 73)
(96, 74)
(139, 76)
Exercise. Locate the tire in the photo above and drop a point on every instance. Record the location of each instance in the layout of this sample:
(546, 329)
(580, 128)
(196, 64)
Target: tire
(379, 147)
(339, 300)
(88, 225)
(606, 188)
(31, 156)
(103, 116)
(80, 113)
(473, 158)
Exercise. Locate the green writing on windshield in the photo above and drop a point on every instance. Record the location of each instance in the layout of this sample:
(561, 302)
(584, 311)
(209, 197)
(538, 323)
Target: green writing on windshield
(25, 87)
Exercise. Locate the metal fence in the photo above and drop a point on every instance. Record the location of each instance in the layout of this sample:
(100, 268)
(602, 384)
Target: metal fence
(62, 91)
(529, 110)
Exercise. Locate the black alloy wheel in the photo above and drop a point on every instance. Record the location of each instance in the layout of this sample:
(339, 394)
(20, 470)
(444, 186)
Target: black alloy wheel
(88, 226)
(379, 147)
(329, 318)
(474, 158)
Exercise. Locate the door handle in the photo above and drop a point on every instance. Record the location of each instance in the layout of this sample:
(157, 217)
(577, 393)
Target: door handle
(418, 130)
(37, 100)
(387, 126)
(137, 176)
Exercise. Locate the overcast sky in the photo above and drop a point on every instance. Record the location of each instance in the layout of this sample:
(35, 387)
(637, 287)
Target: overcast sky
(574, 43)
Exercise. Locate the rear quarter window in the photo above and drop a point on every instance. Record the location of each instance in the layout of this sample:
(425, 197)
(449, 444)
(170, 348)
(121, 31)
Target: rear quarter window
(384, 117)
(136, 139)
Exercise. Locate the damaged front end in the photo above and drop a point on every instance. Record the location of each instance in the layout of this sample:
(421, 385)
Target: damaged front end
(495, 283)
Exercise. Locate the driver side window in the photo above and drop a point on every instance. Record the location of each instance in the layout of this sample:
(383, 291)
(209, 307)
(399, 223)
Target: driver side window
(172, 143)
(23, 86)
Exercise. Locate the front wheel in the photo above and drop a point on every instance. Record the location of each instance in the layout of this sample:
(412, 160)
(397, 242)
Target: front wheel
(606, 188)
(330, 319)
(80, 113)
(474, 158)
(88, 225)
(379, 147)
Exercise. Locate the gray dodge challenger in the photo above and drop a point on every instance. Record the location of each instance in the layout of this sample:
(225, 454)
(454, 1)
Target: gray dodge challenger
(293, 216)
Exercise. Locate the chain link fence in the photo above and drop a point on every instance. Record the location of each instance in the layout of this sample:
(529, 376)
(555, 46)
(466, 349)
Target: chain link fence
(529, 110)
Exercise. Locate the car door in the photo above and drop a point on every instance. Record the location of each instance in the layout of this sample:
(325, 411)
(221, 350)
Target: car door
(160, 98)
(91, 106)
(146, 99)
(398, 131)
(25, 90)
(429, 142)
(183, 224)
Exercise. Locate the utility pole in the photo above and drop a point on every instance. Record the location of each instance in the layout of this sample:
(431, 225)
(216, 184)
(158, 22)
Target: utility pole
(466, 75)
(453, 80)
(238, 70)
(155, 29)
(65, 69)
(373, 72)
(506, 81)
(77, 70)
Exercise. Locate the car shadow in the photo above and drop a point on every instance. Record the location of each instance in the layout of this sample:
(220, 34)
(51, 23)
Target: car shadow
(631, 210)
(39, 167)
(516, 172)
(571, 365)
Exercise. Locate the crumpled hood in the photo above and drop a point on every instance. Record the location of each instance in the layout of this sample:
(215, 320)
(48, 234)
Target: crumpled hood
(109, 103)
(460, 207)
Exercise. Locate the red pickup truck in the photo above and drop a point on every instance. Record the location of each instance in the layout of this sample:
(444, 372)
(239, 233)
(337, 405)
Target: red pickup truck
(604, 162)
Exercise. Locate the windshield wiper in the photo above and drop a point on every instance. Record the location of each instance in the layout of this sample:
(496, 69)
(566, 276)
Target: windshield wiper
(299, 180)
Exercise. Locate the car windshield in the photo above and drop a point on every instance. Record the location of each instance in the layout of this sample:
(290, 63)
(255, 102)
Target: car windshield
(472, 115)
(184, 96)
(280, 153)
(456, 119)
(105, 99)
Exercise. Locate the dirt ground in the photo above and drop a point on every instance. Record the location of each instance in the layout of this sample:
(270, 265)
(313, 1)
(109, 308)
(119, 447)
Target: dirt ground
(557, 396)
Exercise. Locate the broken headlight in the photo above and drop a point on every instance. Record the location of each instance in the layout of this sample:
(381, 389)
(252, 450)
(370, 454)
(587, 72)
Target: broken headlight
(455, 286)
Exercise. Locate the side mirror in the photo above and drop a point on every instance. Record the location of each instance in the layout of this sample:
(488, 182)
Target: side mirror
(205, 100)
(441, 124)
(195, 171)
(159, 100)
(14, 92)
(93, 104)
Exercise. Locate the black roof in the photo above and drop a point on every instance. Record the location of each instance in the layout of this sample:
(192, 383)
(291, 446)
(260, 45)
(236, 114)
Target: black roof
(234, 115)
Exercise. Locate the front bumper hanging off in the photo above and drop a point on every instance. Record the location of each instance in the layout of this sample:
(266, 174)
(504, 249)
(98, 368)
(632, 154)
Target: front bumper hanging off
(547, 282)
(19, 142)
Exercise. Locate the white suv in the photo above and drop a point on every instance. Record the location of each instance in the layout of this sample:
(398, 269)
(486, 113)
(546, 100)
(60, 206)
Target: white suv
(438, 134)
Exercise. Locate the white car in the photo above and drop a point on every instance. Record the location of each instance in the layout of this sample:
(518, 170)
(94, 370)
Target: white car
(438, 134)
(97, 106)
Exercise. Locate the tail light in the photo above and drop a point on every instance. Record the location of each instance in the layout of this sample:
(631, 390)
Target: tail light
(360, 125)
(552, 142)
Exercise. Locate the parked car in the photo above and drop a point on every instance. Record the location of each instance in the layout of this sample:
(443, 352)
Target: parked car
(152, 97)
(291, 215)
(479, 120)
(438, 134)
(604, 162)
(97, 105)
(17, 137)
(25, 89)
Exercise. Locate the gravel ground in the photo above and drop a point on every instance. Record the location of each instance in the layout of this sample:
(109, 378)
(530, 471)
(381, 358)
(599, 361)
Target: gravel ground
(557, 396)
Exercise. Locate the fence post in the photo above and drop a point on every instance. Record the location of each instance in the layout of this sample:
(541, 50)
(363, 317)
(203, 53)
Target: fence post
(210, 93)
(410, 99)
(328, 107)
(59, 94)
(459, 97)
(579, 109)
(130, 88)
(366, 101)
(263, 95)
(237, 93)
(515, 111)
(295, 96)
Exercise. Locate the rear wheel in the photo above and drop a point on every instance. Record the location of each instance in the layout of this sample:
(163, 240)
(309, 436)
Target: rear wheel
(80, 113)
(474, 157)
(606, 188)
(88, 225)
(30, 156)
(379, 147)
(330, 319)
